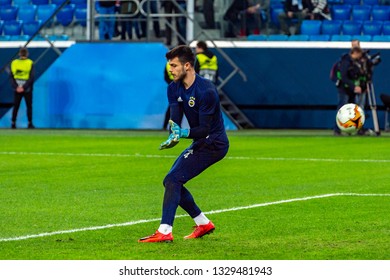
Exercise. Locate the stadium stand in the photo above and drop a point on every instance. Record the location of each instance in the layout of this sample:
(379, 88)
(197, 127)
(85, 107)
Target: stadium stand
(21, 2)
(40, 2)
(341, 38)
(351, 2)
(79, 3)
(19, 37)
(8, 13)
(352, 27)
(381, 38)
(277, 37)
(331, 27)
(57, 2)
(27, 13)
(380, 13)
(386, 28)
(80, 15)
(321, 37)
(341, 12)
(372, 28)
(348, 17)
(5, 2)
(362, 38)
(12, 27)
(299, 37)
(276, 9)
(253, 37)
(31, 27)
(311, 27)
(361, 12)
(371, 2)
(44, 12)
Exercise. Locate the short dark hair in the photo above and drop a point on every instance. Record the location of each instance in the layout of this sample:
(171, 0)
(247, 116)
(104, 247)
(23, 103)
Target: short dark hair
(183, 53)
(23, 52)
(202, 45)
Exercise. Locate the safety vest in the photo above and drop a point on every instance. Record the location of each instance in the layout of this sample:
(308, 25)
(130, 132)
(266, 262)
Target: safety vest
(167, 68)
(21, 68)
(207, 66)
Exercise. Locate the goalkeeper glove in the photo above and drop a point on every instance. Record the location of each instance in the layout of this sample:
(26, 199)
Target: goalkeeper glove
(170, 142)
(176, 130)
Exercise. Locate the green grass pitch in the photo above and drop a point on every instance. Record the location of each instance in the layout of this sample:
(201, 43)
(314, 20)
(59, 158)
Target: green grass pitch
(56, 181)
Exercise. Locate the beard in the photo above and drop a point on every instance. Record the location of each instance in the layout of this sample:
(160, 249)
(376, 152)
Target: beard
(180, 77)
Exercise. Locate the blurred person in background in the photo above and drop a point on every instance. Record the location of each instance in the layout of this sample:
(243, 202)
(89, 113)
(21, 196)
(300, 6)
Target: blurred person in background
(245, 17)
(22, 80)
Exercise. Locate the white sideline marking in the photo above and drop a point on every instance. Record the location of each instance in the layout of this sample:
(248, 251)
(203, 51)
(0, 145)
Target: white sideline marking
(45, 234)
(174, 156)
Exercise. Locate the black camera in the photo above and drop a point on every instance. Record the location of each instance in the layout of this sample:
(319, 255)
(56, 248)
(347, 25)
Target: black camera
(375, 59)
(369, 61)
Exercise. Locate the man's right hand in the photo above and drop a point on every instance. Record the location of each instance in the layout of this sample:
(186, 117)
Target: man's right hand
(358, 89)
(19, 89)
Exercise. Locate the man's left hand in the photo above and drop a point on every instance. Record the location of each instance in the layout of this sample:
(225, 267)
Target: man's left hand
(171, 142)
(178, 131)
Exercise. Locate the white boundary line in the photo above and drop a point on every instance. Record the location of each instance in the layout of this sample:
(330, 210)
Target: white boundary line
(45, 234)
(174, 156)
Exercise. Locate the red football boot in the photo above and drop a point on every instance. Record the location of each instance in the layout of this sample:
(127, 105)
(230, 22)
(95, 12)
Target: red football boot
(201, 230)
(157, 237)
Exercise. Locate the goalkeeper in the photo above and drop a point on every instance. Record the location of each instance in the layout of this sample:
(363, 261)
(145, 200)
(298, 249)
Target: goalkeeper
(198, 99)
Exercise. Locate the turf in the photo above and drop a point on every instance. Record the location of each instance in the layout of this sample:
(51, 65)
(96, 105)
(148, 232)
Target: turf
(59, 180)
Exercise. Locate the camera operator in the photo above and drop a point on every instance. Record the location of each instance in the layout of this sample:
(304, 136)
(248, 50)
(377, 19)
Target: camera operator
(350, 79)
(366, 64)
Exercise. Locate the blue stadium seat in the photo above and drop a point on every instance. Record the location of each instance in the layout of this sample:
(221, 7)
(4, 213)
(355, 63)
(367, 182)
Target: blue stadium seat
(371, 2)
(331, 27)
(5, 37)
(27, 12)
(362, 38)
(352, 2)
(321, 37)
(62, 37)
(29, 28)
(5, 2)
(44, 12)
(21, 2)
(361, 12)
(352, 27)
(39, 37)
(66, 14)
(57, 2)
(19, 38)
(380, 13)
(277, 37)
(386, 28)
(311, 27)
(40, 2)
(1, 27)
(253, 37)
(80, 15)
(12, 27)
(83, 3)
(381, 38)
(341, 38)
(341, 12)
(299, 37)
(372, 27)
(8, 13)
